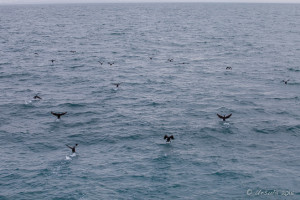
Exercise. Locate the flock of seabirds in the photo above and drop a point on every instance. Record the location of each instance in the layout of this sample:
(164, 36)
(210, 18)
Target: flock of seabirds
(166, 137)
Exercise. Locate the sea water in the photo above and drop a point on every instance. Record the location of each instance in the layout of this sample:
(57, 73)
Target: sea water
(121, 153)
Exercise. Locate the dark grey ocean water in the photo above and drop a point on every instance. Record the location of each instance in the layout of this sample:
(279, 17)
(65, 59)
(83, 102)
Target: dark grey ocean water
(121, 152)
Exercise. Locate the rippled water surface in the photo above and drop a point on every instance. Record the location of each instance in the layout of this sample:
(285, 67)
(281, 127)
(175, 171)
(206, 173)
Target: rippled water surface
(121, 152)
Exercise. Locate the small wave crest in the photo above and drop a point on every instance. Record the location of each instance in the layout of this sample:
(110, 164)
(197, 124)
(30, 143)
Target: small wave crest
(69, 157)
(231, 174)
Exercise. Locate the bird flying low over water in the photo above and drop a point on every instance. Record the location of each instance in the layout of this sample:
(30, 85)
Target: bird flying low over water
(52, 61)
(224, 117)
(117, 84)
(110, 63)
(37, 97)
(101, 63)
(285, 81)
(72, 148)
(228, 68)
(168, 138)
(58, 114)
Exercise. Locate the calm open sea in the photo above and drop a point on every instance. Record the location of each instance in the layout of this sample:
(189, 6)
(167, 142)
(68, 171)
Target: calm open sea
(121, 151)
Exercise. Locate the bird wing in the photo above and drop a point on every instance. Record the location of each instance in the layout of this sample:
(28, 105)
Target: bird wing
(228, 116)
(166, 136)
(172, 137)
(58, 114)
(220, 116)
(53, 113)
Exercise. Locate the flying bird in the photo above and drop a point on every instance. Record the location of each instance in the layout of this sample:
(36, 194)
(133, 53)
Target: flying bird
(73, 148)
(229, 68)
(224, 117)
(110, 63)
(58, 114)
(168, 138)
(117, 84)
(37, 97)
(52, 60)
(285, 81)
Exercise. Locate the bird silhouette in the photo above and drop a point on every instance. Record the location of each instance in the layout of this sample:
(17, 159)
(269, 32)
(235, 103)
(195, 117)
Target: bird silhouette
(168, 138)
(73, 148)
(117, 84)
(224, 117)
(37, 97)
(285, 81)
(58, 114)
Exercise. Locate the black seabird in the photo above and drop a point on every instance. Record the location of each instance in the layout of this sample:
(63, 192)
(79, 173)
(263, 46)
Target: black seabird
(169, 138)
(110, 63)
(117, 84)
(229, 68)
(224, 117)
(37, 97)
(170, 60)
(58, 114)
(73, 148)
(285, 81)
(52, 61)
(100, 62)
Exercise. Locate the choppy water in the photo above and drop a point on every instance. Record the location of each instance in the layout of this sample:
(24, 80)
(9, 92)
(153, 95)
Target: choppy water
(121, 152)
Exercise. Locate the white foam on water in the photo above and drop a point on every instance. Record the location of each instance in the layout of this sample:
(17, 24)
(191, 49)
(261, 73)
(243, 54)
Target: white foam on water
(68, 158)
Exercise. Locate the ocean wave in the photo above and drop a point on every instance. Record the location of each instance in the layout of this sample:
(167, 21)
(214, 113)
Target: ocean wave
(294, 70)
(73, 105)
(231, 174)
(283, 129)
(118, 33)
